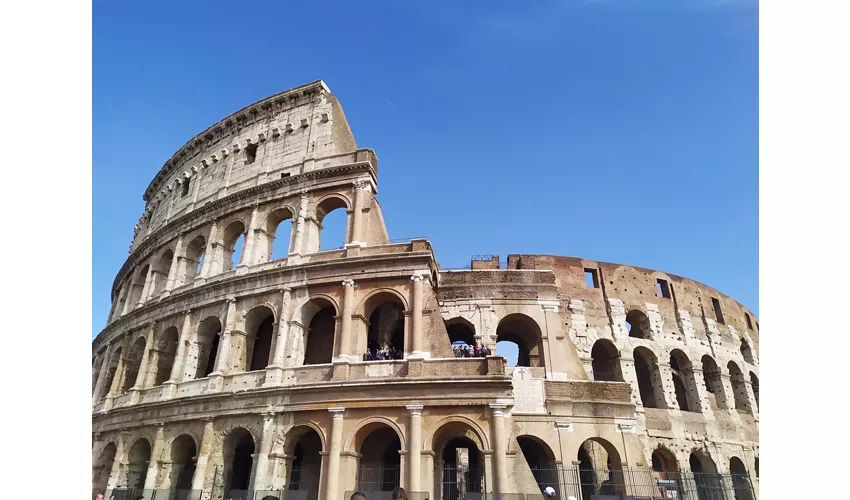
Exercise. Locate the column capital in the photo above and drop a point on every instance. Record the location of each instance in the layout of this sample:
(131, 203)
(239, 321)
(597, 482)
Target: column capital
(415, 410)
(152, 324)
(498, 409)
(566, 426)
(207, 420)
(187, 311)
(348, 282)
(417, 278)
(286, 289)
(362, 185)
(337, 412)
(268, 415)
(231, 299)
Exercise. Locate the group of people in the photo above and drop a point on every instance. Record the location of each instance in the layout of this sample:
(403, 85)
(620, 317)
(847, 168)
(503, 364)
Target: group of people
(398, 494)
(380, 354)
(470, 351)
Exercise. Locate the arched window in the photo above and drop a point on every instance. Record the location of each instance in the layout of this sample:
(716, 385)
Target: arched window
(523, 331)
(183, 452)
(746, 352)
(708, 481)
(600, 469)
(649, 378)
(159, 276)
(137, 464)
(606, 361)
(385, 311)
(238, 451)
(713, 383)
(259, 325)
(166, 350)
(332, 221)
(138, 287)
(740, 479)
(111, 371)
(447, 439)
(315, 345)
(460, 330)
(638, 325)
(684, 382)
(209, 333)
(132, 363)
(103, 468)
(233, 241)
(379, 468)
(279, 234)
(754, 381)
(666, 469)
(304, 444)
(739, 388)
(194, 256)
(541, 461)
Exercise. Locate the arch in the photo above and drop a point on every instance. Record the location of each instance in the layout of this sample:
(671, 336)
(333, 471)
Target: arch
(209, 335)
(166, 351)
(666, 470)
(541, 460)
(525, 333)
(316, 345)
(237, 450)
(605, 360)
(324, 207)
(161, 270)
(600, 468)
(137, 463)
(233, 233)
(367, 425)
(194, 256)
(379, 447)
(110, 373)
(132, 363)
(184, 452)
(638, 325)
(305, 443)
(740, 479)
(384, 310)
(460, 330)
(299, 429)
(754, 382)
(739, 388)
(259, 328)
(684, 382)
(649, 378)
(138, 287)
(704, 472)
(713, 383)
(746, 352)
(453, 433)
(103, 467)
(279, 235)
(457, 425)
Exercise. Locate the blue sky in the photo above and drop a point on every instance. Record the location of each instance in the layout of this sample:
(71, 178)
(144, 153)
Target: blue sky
(619, 131)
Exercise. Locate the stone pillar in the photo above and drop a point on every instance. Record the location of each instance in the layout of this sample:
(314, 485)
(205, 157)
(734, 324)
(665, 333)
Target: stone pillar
(702, 392)
(274, 372)
(156, 454)
(129, 296)
(414, 447)
(416, 350)
(117, 380)
(203, 455)
(499, 448)
(146, 289)
(174, 268)
(361, 190)
(139, 383)
(118, 462)
(101, 376)
(209, 253)
(333, 453)
(222, 360)
(345, 325)
(176, 375)
(300, 225)
(260, 482)
(247, 258)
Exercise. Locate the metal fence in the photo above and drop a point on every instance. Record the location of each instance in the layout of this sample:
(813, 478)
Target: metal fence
(378, 477)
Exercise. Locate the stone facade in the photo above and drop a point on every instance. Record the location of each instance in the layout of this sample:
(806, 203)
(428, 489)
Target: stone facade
(247, 371)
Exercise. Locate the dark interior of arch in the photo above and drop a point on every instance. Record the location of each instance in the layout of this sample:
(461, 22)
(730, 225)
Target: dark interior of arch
(754, 381)
(103, 468)
(306, 466)
(523, 332)
(137, 467)
(380, 461)
(643, 370)
(182, 464)
(606, 362)
(679, 384)
(449, 468)
(134, 362)
(638, 324)
(239, 472)
(386, 327)
(320, 338)
(459, 331)
(542, 468)
(586, 473)
(261, 351)
(746, 352)
(208, 338)
(167, 347)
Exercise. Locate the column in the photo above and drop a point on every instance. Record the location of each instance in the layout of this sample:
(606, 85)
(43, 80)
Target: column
(247, 258)
(209, 253)
(414, 447)
(117, 380)
(702, 392)
(139, 383)
(416, 317)
(274, 372)
(156, 454)
(345, 325)
(101, 376)
(303, 203)
(175, 265)
(360, 191)
(261, 472)
(147, 286)
(333, 453)
(118, 463)
(176, 375)
(499, 458)
(203, 455)
(222, 360)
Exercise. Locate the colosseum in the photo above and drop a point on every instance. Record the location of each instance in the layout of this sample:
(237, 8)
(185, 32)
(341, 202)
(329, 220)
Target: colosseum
(285, 372)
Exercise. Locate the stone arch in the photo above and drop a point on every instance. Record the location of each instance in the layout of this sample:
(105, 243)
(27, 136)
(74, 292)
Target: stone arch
(665, 469)
(259, 336)
(746, 351)
(460, 330)
(713, 383)
(541, 460)
(754, 382)
(458, 425)
(237, 450)
(384, 309)
(523, 331)
(208, 338)
(637, 323)
(304, 442)
(103, 467)
(606, 361)
(324, 206)
(138, 459)
(166, 348)
(648, 374)
(684, 381)
(739, 388)
(111, 371)
(316, 318)
(138, 287)
(704, 471)
(233, 232)
(133, 362)
(600, 468)
(184, 452)
(161, 268)
(194, 257)
(452, 433)
(740, 479)
(367, 425)
(276, 246)
(290, 436)
(378, 444)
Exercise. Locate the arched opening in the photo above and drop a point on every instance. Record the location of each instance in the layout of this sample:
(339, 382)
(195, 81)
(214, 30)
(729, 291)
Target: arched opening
(447, 440)
(209, 333)
(757, 466)
(684, 381)
(385, 339)
(740, 479)
(160, 272)
(739, 388)
(137, 464)
(238, 461)
(194, 258)
(649, 378)
(541, 461)
(332, 221)
(708, 483)
(138, 287)
(525, 333)
(234, 241)
(279, 231)
(132, 364)
(460, 330)
(606, 361)
(746, 352)
(667, 478)
(102, 468)
(259, 325)
(110, 374)
(379, 467)
(166, 351)
(183, 456)
(713, 383)
(600, 469)
(754, 381)
(305, 448)
(318, 341)
(638, 324)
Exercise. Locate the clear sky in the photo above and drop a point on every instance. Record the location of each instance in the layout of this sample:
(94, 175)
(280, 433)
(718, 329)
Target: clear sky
(613, 130)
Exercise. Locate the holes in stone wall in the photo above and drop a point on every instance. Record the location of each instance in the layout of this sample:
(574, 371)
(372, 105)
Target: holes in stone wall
(251, 153)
